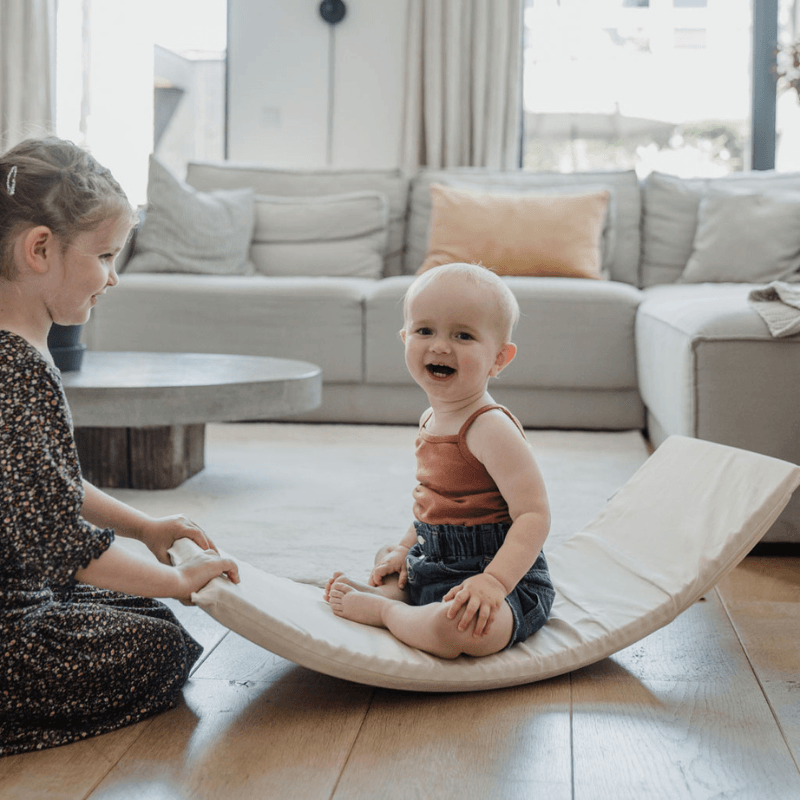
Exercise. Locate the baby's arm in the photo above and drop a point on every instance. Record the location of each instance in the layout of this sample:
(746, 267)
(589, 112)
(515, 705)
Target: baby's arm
(395, 561)
(158, 533)
(496, 442)
(124, 571)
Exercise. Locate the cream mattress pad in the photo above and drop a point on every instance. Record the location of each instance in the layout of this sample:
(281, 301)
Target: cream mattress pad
(687, 517)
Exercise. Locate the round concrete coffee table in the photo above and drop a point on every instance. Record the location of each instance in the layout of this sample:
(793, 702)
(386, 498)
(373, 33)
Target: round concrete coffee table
(140, 417)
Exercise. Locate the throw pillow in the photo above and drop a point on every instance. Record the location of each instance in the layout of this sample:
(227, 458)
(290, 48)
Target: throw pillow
(748, 238)
(669, 221)
(185, 230)
(609, 234)
(526, 235)
(342, 235)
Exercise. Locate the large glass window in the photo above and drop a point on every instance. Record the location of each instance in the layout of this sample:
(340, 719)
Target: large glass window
(657, 85)
(136, 78)
(787, 144)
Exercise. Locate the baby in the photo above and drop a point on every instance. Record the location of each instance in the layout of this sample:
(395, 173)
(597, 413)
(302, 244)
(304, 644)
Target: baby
(469, 576)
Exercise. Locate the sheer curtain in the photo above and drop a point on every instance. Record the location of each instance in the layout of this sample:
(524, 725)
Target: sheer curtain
(27, 72)
(463, 87)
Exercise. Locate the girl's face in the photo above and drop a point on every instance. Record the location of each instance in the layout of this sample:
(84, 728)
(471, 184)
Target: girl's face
(84, 269)
(452, 342)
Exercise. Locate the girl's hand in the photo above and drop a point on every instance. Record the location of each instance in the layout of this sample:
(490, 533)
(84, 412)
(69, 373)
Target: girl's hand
(159, 534)
(480, 596)
(195, 573)
(395, 562)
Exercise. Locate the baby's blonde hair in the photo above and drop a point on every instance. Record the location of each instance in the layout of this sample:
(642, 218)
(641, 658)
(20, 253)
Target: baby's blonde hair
(55, 183)
(506, 305)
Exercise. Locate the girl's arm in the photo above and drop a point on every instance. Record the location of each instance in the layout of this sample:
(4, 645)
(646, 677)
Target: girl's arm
(120, 570)
(158, 534)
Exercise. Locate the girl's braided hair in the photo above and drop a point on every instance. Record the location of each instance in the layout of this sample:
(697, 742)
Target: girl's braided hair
(55, 183)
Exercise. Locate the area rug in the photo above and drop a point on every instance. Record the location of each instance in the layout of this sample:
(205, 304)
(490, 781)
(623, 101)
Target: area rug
(303, 500)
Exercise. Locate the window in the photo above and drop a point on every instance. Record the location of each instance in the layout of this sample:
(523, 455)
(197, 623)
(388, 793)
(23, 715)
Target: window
(142, 77)
(787, 135)
(658, 86)
(690, 38)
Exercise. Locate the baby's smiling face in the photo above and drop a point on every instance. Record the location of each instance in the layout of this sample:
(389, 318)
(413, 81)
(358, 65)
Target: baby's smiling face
(453, 341)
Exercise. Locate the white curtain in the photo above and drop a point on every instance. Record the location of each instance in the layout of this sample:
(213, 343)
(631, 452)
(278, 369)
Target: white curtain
(463, 87)
(27, 69)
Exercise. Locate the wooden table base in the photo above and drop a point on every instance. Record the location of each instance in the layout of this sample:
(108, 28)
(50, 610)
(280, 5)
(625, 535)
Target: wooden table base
(141, 458)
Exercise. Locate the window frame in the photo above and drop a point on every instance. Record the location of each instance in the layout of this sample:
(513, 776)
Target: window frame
(763, 92)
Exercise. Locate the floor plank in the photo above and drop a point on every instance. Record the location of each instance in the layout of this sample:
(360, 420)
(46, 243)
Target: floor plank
(765, 579)
(244, 739)
(698, 645)
(679, 714)
(239, 660)
(69, 772)
(500, 744)
(677, 739)
(762, 598)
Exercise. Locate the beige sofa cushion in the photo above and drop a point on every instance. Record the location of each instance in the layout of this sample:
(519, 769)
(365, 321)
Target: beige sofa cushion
(310, 183)
(310, 319)
(341, 235)
(572, 334)
(514, 234)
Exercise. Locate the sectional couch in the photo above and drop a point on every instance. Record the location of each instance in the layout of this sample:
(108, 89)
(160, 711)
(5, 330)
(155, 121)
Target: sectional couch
(666, 343)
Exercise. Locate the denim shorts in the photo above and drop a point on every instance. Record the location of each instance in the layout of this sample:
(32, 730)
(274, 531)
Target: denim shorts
(446, 555)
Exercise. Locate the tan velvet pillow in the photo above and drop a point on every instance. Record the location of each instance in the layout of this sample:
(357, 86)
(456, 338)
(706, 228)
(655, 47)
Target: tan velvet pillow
(533, 235)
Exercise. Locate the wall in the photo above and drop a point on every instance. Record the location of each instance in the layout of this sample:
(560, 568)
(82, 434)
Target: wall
(281, 57)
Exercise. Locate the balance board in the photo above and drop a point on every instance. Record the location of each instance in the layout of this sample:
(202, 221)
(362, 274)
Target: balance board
(689, 515)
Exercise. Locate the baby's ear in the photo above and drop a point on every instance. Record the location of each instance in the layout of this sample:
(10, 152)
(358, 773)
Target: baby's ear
(504, 358)
(402, 333)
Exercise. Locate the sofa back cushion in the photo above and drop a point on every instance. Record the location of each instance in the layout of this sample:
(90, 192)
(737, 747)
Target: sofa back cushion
(621, 241)
(314, 183)
(339, 235)
(670, 215)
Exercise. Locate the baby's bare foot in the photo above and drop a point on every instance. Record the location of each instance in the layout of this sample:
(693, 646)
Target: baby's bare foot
(340, 577)
(352, 603)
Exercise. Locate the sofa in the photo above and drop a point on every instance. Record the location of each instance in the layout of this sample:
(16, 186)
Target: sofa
(663, 340)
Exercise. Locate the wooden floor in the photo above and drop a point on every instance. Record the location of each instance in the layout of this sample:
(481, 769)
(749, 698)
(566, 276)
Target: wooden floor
(708, 707)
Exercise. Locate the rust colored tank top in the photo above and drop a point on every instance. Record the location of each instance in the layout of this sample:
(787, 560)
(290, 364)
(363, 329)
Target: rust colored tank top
(454, 487)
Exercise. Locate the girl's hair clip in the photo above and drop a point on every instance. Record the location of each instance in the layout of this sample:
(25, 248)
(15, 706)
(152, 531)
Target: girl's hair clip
(11, 180)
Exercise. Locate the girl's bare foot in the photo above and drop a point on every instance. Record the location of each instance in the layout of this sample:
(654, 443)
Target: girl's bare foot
(340, 577)
(352, 603)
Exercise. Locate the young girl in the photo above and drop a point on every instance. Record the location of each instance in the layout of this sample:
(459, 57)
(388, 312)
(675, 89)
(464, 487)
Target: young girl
(77, 656)
(481, 511)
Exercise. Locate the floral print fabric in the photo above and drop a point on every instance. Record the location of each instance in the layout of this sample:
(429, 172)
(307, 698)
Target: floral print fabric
(74, 661)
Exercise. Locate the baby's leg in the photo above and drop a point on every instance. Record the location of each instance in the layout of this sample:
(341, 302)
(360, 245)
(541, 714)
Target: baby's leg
(425, 627)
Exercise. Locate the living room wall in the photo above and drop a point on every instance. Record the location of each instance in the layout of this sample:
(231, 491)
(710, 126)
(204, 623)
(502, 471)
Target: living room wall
(304, 94)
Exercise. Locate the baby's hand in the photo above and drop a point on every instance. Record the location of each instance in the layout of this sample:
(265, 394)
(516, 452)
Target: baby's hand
(395, 562)
(480, 596)
(197, 571)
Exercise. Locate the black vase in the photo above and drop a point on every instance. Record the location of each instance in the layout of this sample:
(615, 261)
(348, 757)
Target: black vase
(64, 344)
